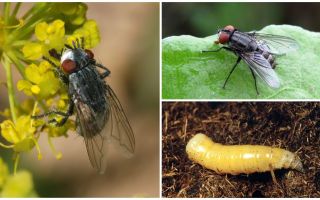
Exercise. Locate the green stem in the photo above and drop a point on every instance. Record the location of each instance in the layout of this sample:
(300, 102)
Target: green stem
(37, 148)
(39, 14)
(19, 43)
(26, 29)
(7, 67)
(34, 10)
(6, 146)
(58, 155)
(6, 12)
(16, 163)
(17, 63)
(16, 9)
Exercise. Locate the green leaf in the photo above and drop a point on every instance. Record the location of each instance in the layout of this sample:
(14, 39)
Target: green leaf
(189, 73)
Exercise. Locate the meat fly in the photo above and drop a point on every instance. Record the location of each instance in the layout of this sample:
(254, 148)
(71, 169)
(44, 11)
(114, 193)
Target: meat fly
(258, 50)
(99, 114)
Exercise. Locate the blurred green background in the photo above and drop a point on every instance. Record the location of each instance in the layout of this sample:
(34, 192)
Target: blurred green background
(204, 19)
(129, 47)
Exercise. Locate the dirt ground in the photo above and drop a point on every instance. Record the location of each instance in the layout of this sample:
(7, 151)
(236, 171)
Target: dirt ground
(293, 126)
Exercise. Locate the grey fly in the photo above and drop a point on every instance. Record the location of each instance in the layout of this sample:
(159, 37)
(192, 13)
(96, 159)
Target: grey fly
(258, 50)
(99, 114)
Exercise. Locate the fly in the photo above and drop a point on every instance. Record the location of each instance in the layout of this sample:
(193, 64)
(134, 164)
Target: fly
(258, 50)
(99, 114)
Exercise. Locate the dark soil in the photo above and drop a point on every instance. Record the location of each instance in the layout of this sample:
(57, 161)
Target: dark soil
(293, 126)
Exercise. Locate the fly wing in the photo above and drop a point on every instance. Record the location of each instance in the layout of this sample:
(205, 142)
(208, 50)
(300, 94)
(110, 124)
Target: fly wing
(276, 44)
(94, 138)
(118, 127)
(261, 67)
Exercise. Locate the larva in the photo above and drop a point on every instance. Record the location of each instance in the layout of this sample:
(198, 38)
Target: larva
(237, 159)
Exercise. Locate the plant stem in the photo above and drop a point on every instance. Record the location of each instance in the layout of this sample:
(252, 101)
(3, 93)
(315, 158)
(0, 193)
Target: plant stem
(6, 12)
(11, 96)
(17, 63)
(58, 155)
(16, 9)
(6, 146)
(16, 162)
(37, 148)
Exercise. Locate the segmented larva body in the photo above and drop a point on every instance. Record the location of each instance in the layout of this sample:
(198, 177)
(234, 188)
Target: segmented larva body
(237, 159)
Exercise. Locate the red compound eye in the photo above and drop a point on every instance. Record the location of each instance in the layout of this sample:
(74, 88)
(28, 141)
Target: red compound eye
(89, 53)
(69, 66)
(223, 37)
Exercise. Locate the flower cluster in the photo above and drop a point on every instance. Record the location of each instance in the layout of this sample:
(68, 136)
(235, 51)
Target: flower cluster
(52, 25)
(17, 185)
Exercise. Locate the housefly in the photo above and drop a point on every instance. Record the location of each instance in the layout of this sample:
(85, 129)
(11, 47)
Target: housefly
(258, 50)
(99, 114)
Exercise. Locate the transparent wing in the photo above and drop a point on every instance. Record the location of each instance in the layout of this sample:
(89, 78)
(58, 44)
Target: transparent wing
(94, 138)
(118, 127)
(277, 44)
(261, 67)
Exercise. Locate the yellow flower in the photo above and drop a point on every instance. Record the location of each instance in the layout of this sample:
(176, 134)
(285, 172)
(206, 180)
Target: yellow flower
(41, 81)
(21, 134)
(24, 108)
(19, 185)
(89, 31)
(54, 131)
(75, 12)
(50, 36)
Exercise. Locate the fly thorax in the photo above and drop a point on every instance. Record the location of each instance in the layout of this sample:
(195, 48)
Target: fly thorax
(243, 42)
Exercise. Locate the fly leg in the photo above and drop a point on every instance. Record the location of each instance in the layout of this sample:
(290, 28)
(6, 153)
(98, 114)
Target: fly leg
(255, 80)
(59, 73)
(216, 50)
(238, 60)
(66, 115)
(106, 70)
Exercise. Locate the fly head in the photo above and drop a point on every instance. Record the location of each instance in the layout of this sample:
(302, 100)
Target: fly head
(75, 58)
(225, 34)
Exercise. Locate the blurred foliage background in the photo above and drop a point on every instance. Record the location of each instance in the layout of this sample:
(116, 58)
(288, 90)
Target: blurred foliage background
(204, 19)
(130, 49)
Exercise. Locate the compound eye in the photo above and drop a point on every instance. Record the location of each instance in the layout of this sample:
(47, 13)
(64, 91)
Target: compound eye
(223, 37)
(69, 66)
(89, 53)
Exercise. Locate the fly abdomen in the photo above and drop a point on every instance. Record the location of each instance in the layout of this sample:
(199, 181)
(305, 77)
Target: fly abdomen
(270, 58)
(89, 88)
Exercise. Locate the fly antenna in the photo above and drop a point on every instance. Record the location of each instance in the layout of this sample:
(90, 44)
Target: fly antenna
(78, 43)
(82, 42)
(74, 44)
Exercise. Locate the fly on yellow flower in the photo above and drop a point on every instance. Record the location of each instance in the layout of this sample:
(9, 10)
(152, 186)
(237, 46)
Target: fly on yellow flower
(50, 24)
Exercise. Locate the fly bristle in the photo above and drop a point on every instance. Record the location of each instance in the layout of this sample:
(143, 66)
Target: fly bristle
(82, 42)
(68, 46)
(74, 44)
